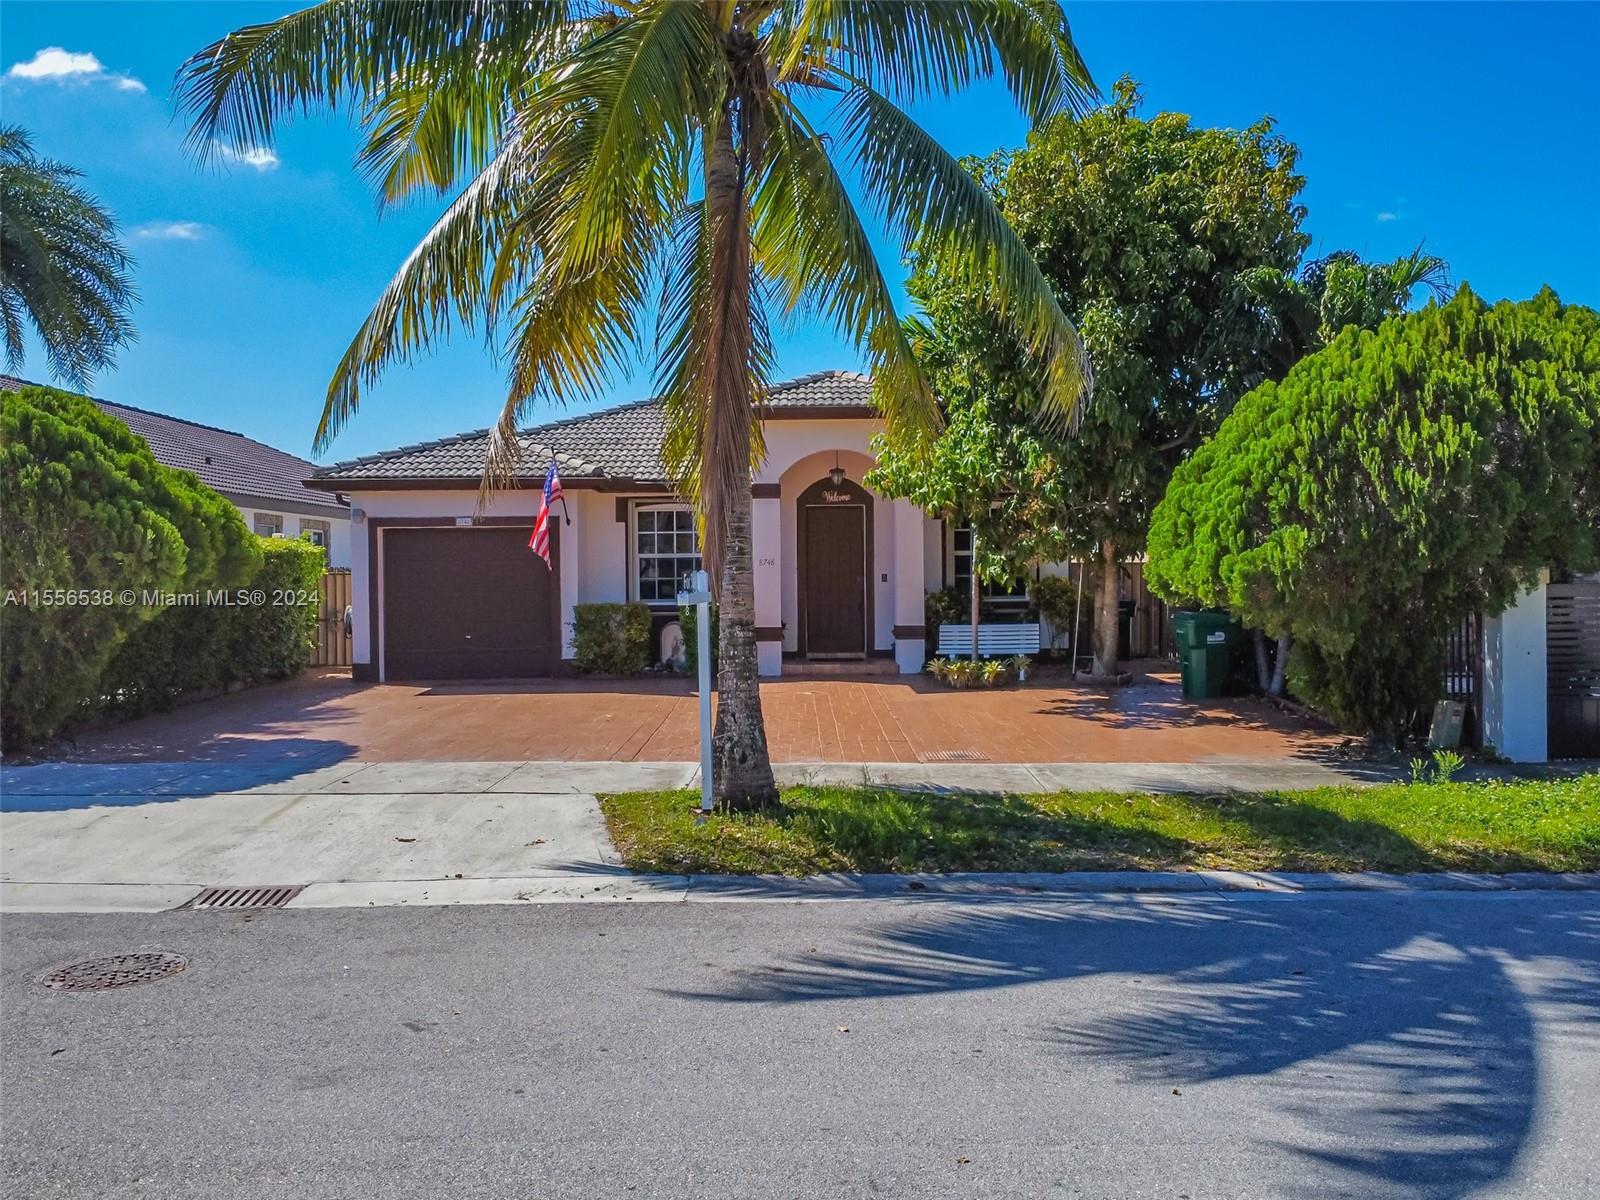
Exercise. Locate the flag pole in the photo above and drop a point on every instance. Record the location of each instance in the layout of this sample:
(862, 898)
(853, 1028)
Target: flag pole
(565, 511)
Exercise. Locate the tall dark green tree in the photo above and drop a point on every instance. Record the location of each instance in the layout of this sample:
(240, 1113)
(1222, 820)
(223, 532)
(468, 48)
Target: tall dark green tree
(1148, 230)
(623, 165)
(1300, 312)
(63, 269)
(1390, 484)
(86, 513)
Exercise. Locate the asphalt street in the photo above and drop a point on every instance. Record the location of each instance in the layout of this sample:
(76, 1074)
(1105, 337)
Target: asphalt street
(1320, 1045)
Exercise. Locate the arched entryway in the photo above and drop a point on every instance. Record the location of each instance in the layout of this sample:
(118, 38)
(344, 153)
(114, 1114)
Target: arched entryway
(833, 523)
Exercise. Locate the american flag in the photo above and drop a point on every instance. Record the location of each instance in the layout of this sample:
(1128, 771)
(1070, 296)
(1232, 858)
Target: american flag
(539, 543)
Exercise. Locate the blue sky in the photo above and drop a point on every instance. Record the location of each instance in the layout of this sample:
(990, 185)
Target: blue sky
(1470, 126)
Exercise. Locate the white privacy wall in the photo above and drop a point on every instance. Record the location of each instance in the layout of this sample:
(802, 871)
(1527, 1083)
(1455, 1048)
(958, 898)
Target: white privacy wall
(1515, 679)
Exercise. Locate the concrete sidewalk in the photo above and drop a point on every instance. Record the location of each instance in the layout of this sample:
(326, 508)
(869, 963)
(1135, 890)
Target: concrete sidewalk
(151, 836)
(270, 774)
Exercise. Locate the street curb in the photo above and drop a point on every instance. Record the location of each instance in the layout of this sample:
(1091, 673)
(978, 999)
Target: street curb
(1077, 883)
(621, 886)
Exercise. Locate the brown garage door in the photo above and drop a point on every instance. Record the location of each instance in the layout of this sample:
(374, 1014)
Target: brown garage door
(468, 604)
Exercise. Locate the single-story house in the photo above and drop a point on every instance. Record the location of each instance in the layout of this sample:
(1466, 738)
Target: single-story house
(442, 592)
(266, 485)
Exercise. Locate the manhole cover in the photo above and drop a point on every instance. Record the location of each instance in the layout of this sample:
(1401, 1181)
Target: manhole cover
(936, 756)
(246, 897)
(116, 971)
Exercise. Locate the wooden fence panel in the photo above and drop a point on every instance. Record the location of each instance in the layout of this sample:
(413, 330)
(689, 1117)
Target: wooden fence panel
(1152, 620)
(333, 643)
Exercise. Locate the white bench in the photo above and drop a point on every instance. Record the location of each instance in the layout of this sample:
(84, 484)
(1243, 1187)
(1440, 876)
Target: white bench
(994, 640)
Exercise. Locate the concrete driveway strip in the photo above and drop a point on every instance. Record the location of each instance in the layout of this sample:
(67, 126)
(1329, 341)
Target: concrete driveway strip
(1368, 1046)
(72, 840)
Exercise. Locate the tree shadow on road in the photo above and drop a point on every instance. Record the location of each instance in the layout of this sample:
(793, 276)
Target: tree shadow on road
(1393, 1044)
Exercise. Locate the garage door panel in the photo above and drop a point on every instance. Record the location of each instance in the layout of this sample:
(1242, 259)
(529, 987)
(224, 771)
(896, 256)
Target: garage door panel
(468, 604)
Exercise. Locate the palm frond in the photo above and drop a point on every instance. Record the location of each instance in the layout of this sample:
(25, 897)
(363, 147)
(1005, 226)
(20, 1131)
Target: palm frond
(917, 48)
(810, 242)
(237, 90)
(646, 85)
(1419, 269)
(62, 263)
(631, 100)
(459, 273)
(943, 212)
(424, 132)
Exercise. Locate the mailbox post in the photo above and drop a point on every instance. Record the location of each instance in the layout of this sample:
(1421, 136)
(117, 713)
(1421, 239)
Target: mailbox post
(699, 595)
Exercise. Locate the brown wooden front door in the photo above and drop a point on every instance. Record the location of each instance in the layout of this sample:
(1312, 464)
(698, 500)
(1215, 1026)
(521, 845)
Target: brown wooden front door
(468, 604)
(835, 582)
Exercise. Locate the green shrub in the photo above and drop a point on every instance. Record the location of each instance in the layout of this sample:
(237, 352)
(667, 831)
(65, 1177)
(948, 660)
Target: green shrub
(947, 606)
(691, 639)
(88, 515)
(263, 630)
(611, 639)
(1390, 484)
(1057, 599)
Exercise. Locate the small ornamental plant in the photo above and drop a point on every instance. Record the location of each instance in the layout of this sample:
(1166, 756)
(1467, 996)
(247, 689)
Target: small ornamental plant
(992, 672)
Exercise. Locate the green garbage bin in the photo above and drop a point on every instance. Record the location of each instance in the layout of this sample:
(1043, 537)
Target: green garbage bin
(1205, 651)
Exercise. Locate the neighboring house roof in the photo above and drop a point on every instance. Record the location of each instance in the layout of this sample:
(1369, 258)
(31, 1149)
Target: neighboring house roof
(231, 463)
(621, 444)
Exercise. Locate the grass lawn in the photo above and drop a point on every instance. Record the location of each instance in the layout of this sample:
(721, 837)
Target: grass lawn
(1545, 825)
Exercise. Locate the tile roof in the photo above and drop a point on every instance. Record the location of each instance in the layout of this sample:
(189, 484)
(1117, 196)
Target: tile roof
(229, 462)
(615, 443)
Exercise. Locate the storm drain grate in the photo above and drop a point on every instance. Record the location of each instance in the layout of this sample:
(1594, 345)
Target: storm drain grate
(954, 756)
(246, 897)
(114, 971)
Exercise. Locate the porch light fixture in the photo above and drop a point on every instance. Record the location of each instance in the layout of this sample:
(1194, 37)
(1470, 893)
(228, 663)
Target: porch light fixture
(836, 476)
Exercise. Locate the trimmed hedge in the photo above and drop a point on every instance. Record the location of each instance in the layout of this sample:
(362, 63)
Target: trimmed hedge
(89, 520)
(689, 622)
(261, 631)
(611, 639)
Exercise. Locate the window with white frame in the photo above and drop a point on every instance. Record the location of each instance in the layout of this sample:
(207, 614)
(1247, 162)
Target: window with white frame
(316, 531)
(268, 524)
(665, 550)
(1015, 592)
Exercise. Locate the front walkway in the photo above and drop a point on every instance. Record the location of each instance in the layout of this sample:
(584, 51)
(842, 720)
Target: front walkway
(872, 719)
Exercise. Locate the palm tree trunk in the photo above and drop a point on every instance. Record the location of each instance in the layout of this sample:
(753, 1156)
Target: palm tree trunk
(742, 769)
(1105, 616)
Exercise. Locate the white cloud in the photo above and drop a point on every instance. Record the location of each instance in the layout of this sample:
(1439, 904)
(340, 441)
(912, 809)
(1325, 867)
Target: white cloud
(54, 64)
(259, 157)
(172, 231)
(1388, 216)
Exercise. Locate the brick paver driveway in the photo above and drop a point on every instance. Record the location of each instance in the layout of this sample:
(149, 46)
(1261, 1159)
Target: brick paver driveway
(841, 719)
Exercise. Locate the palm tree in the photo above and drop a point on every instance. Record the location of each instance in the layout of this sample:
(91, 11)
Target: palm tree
(1302, 312)
(61, 265)
(650, 164)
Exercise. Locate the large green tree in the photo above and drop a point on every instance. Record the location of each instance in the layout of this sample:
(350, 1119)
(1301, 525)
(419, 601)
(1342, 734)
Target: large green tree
(1149, 230)
(1300, 313)
(63, 268)
(992, 468)
(1389, 484)
(655, 167)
